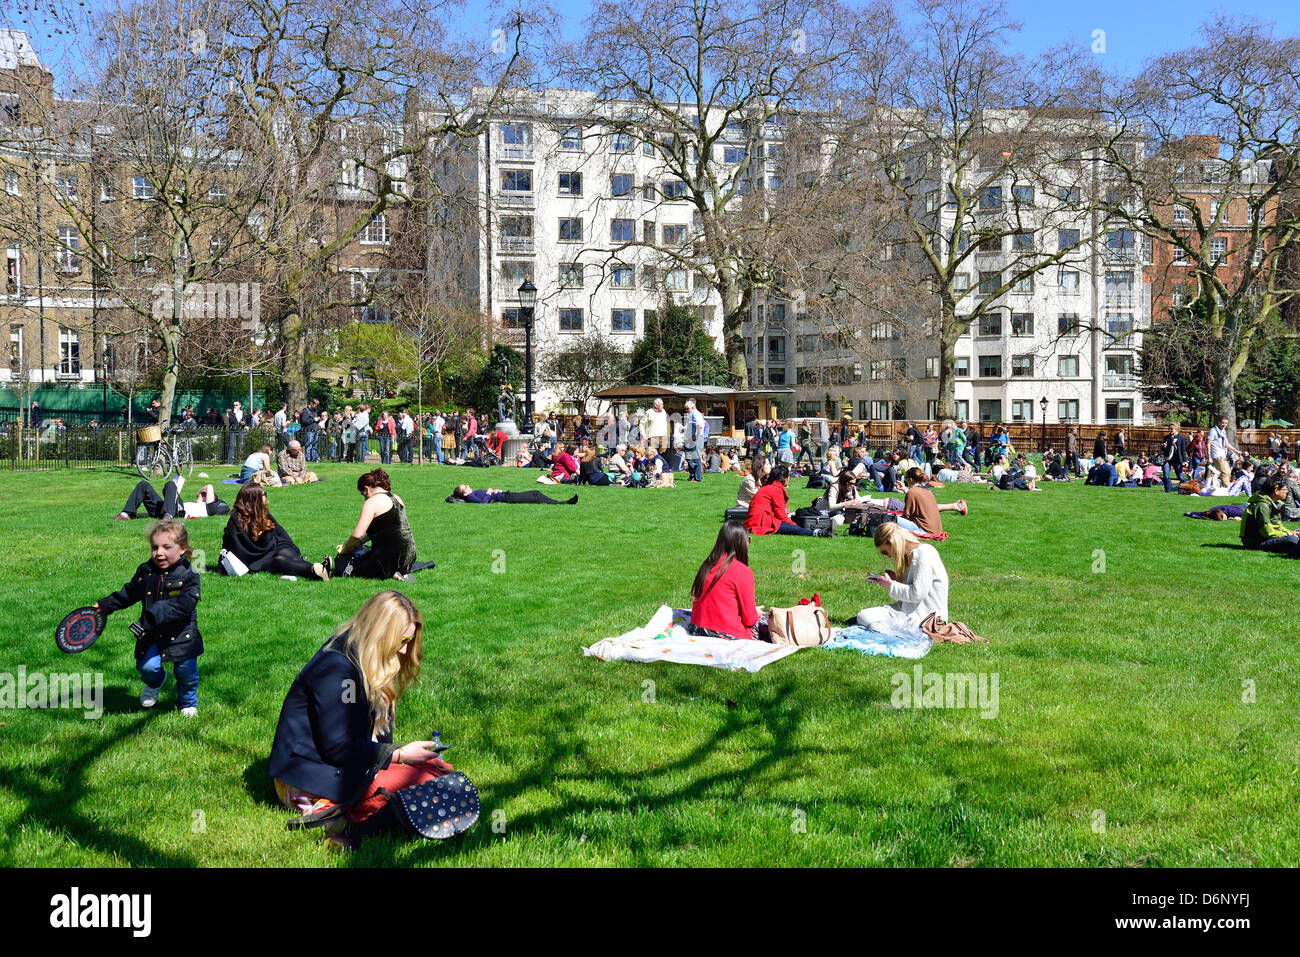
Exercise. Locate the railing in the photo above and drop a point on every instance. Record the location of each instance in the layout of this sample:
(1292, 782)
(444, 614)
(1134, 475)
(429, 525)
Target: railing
(1121, 381)
(515, 244)
(51, 447)
(512, 197)
(516, 153)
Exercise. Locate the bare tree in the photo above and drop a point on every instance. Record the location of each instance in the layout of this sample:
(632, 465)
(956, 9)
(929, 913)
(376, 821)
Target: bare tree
(589, 363)
(1219, 127)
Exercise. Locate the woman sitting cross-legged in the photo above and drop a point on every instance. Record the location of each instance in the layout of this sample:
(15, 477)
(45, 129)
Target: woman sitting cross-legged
(333, 758)
(485, 496)
(918, 582)
(254, 537)
(768, 513)
(722, 595)
(391, 553)
(920, 507)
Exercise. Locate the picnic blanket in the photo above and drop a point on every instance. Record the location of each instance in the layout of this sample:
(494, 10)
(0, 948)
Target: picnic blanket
(877, 643)
(663, 638)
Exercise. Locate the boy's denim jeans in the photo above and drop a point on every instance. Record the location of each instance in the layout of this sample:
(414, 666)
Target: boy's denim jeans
(154, 673)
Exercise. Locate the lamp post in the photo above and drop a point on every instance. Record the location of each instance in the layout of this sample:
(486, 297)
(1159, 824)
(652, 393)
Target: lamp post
(1042, 442)
(527, 301)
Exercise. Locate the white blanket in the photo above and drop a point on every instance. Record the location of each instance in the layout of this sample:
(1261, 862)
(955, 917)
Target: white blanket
(661, 640)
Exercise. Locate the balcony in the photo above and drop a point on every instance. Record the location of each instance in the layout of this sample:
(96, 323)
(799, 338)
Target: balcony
(516, 244)
(1113, 380)
(516, 153)
(516, 199)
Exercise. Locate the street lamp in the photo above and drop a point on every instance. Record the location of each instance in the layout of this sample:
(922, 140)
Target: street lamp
(527, 300)
(1042, 442)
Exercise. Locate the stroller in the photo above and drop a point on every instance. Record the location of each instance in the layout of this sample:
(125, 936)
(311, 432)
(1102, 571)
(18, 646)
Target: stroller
(492, 448)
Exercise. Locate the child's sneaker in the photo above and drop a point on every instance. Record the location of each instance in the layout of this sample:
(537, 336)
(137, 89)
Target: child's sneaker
(149, 697)
(190, 711)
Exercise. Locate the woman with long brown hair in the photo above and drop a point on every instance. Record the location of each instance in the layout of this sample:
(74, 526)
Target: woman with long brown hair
(333, 758)
(254, 537)
(391, 553)
(722, 595)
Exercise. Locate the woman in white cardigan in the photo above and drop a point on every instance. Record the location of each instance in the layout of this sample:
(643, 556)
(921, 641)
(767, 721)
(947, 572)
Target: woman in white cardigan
(759, 466)
(918, 583)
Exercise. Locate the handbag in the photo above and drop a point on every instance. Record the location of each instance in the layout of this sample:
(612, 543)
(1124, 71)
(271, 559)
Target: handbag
(232, 564)
(804, 625)
(444, 807)
(952, 632)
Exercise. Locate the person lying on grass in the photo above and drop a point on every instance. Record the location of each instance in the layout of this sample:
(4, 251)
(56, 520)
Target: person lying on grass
(333, 758)
(254, 537)
(1261, 525)
(920, 507)
(1220, 513)
(485, 496)
(167, 588)
(916, 580)
(391, 553)
(722, 595)
(951, 474)
(169, 504)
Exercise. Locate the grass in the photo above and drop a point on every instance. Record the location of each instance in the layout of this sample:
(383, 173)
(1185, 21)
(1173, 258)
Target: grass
(1120, 692)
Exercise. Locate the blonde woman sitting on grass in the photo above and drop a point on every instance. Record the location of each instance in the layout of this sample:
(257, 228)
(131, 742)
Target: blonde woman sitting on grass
(917, 581)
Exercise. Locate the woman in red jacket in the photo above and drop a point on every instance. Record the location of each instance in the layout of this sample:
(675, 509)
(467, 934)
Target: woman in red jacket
(564, 468)
(722, 597)
(767, 511)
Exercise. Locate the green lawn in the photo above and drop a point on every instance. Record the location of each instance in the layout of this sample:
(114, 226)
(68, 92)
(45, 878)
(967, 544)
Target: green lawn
(1120, 692)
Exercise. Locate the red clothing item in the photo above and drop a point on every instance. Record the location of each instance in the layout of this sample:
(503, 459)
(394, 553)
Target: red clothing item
(563, 466)
(767, 510)
(728, 605)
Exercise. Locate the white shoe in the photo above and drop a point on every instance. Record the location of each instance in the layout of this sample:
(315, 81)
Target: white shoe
(149, 697)
(189, 712)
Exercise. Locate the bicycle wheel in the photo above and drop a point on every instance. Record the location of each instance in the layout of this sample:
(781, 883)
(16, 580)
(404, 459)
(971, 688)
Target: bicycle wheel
(184, 458)
(153, 462)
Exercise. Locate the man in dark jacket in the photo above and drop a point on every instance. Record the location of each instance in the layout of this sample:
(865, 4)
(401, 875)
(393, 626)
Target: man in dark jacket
(234, 431)
(309, 418)
(1174, 450)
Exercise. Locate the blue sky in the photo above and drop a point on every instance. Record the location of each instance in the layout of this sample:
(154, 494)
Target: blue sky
(1133, 29)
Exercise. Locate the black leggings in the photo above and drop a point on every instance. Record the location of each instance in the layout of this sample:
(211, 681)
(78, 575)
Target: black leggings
(529, 498)
(289, 561)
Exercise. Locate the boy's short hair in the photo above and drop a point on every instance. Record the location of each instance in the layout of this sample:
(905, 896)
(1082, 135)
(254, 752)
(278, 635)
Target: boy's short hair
(176, 529)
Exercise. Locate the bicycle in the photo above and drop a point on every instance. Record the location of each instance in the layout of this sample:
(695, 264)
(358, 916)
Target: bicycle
(156, 461)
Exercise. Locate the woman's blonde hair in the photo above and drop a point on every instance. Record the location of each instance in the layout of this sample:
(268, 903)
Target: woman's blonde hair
(374, 639)
(896, 540)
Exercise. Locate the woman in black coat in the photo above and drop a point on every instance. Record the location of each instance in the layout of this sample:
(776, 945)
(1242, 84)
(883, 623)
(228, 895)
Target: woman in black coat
(1099, 446)
(261, 543)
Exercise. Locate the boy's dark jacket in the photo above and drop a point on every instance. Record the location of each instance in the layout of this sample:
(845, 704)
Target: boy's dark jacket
(170, 616)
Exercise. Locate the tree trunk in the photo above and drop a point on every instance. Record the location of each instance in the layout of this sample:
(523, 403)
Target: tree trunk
(294, 376)
(171, 336)
(948, 336)
(1225, 391)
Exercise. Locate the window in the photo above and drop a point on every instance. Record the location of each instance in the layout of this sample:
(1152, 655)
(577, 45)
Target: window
(69, 243)
(1215, 205)
(991, 198)
(376, 231)
(1067, 410)
(961, 367)
(1179, 295)
(516, 134)
(1119, 283)
(882, 330)
(1218, 247)
(1119, 365)
(647, 148)
(518, 180)
(570, 320)
(991, 324)
(881, 409)
(11, 183)
(512, 319)
(621, 184)
(69, 351)
(141, 188)
(622, 230)
(992, 244)
(571, 229)
(990, 410)
(1067, 323)
(1119, 324)
(676, 279)
(990, 282)
(932, 367)
(1022, 365)
(700, 280)
(622, 276)
(570, 184)
(623, 320)
(513, 275)
(216, 243)
(960, 282)
(1067, 238)
(1068, 280)
(1182, 215)
(66, 186)
(674, 235)
(1119, 411)
(776, 376)
(674, 189)
(571, 139)
(622, 143)
(776, 348)
(16, 346)
(990, 367)
(733, 154)
(647, 277)
(1178, 256)
(962, 407)
(1023, 195)
(1025, 284)
(1022, 410)
(1067, 365)
(648, 232)
(517, 233)
(216, 193)
(932, 201)
(1119, 242)
(570, 276)
(13, 271)
(1022, 323)
(1069, 195)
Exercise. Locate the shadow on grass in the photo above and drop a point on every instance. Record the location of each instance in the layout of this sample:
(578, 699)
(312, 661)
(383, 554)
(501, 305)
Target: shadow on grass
(52, 789)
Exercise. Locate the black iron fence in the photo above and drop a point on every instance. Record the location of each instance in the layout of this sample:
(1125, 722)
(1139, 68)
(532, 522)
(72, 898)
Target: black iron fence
(58, 445)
